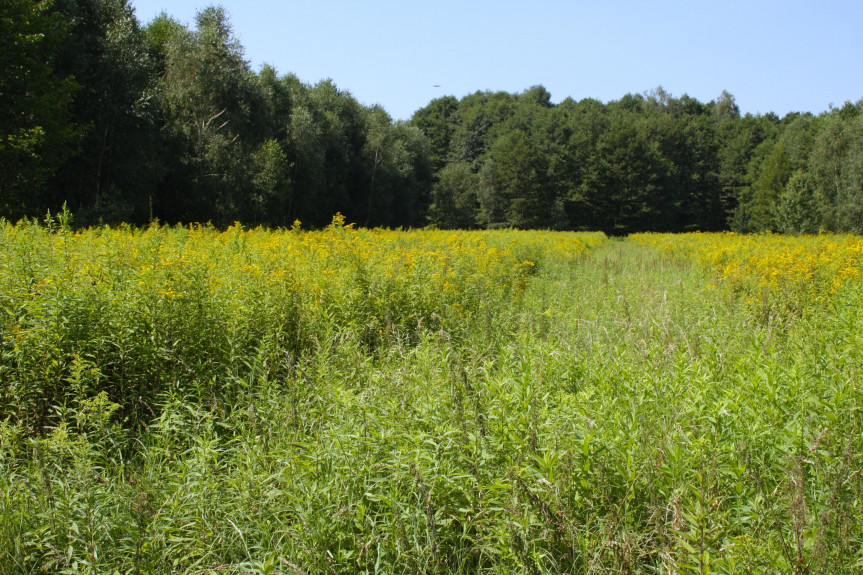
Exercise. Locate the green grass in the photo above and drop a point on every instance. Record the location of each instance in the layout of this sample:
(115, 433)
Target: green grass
(616, 410)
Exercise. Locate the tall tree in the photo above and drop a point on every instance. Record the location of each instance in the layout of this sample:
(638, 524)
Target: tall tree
(412, 176)
(625, 175)
(308, 154)
(116, 168)
(437, 121)
(835, 163)
(271, 179)
(36, 129)
(586, 121)
(537, 96)
(799, 209)
(344, 185)
(521, 185)
(481, 119)
(454, 197)
(207, 104)
(774, 174)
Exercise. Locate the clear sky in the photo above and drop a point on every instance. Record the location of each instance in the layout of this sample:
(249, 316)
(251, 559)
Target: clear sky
(772, 55)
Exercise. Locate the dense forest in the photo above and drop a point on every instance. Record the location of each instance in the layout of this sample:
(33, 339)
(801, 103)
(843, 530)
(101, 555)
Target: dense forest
(125, 122)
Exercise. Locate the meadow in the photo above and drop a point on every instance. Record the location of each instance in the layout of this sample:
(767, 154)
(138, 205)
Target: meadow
(189, 400)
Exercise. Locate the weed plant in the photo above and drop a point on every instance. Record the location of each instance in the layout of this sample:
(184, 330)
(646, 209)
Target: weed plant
(183, 400)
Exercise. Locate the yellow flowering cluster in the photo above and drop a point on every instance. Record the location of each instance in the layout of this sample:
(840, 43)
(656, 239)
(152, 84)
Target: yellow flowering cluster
(188, 281)
(771, 266)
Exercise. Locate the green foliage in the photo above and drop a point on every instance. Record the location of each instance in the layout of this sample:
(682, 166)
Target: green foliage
(644, 162)
(835, 164)
(115, 167)
(36, 130)
(270, 169)
(518, 184)
(183, 400)
(437, 122)
(169, 123)
(454, 198)
(399, 171)
(798, 209)
(206, 100)
(773, 175)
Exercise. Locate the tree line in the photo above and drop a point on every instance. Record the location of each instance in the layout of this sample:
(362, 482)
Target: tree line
(131, 123)
(647, 162)
(127, 122)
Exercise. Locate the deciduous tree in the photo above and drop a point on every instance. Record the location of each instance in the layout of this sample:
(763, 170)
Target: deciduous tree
(36, 129)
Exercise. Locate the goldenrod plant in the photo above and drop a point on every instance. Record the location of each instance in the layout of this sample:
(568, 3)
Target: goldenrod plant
(189, 400)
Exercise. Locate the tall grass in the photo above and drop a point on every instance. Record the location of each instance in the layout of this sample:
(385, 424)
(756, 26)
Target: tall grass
(356, 401)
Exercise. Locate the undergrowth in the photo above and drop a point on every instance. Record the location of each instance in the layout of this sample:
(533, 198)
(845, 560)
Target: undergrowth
(182, 400)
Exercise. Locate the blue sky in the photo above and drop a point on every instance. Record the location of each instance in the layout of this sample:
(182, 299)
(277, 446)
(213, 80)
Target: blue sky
(773, 56)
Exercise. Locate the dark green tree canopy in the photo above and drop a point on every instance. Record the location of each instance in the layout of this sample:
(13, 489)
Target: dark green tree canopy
(36, 125)
(129, 123)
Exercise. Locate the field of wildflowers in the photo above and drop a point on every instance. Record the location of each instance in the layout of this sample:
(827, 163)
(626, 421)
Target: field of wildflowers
(188, 400)
(793, 270)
